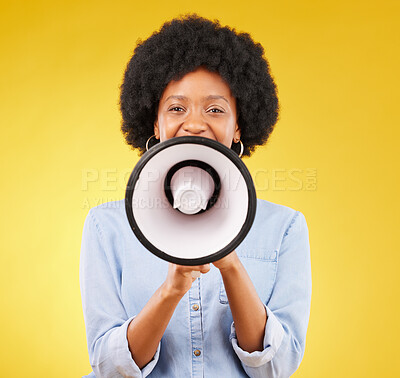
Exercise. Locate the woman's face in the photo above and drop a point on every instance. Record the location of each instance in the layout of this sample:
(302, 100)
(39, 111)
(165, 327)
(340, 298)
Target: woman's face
(199, 104)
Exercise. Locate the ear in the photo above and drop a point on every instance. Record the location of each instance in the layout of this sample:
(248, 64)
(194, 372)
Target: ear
(237, 134)
(156, 130)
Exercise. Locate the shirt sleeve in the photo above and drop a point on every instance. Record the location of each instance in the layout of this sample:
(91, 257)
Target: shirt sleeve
(288, 309)
(105, 317)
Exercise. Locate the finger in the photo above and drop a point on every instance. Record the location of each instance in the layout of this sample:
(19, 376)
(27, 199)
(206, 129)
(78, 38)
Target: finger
(201, 268)
(187, 270)
(205, 268)
(198, 270)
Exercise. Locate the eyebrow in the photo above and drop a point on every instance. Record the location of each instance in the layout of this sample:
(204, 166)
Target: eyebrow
(217, 97)
(176, 97)
(184, 98)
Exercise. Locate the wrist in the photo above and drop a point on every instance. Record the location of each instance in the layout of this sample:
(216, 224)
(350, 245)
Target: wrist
(233, 266)
(170, 293)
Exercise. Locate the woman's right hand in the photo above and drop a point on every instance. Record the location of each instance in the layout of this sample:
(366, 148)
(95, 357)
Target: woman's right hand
(179, 278)
(146, 330)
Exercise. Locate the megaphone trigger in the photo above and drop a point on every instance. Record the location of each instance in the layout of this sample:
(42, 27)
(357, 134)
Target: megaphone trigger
(196, 274)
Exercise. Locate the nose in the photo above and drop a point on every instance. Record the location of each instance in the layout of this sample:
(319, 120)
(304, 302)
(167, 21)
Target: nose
(194, 125)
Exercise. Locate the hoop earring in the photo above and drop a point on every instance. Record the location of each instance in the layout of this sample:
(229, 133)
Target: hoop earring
(241, 148)
(148, 140)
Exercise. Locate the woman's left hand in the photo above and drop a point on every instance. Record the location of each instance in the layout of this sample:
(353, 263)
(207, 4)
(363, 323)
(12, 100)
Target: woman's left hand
(248, 311)
(228, 262)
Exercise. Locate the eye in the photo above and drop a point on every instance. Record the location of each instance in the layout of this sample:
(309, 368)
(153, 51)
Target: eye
(215, 110)
(176, 109)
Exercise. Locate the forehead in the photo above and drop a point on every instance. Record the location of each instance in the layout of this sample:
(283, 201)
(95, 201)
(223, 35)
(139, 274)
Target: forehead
(200, 82)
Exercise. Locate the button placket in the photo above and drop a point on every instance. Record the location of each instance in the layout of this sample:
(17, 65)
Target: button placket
(196, 329)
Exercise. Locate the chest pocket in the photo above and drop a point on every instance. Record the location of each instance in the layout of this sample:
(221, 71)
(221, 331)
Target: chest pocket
(261, 267)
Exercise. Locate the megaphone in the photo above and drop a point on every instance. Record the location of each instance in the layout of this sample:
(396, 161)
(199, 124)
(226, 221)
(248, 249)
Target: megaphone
(190, 200)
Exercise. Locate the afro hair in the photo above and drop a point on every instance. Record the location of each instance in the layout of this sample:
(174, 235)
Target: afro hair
(183, 45)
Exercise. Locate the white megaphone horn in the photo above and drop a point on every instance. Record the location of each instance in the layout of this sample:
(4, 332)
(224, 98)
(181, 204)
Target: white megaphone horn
(190, 200)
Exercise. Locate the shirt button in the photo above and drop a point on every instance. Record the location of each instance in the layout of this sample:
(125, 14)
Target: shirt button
(195, 307)
(197, 353)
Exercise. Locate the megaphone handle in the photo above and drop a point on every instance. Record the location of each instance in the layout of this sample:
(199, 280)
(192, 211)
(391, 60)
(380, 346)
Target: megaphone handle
(196, 274)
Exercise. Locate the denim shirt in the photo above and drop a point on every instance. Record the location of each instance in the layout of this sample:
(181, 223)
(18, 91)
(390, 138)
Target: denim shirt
(118, 276)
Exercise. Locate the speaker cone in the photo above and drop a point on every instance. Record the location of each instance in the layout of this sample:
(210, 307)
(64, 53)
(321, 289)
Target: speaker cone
(190, 200)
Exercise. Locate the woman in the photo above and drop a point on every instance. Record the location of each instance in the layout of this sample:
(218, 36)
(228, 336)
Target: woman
(247, 314)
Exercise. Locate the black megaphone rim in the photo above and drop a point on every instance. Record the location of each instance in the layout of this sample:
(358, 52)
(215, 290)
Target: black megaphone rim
(233, 157)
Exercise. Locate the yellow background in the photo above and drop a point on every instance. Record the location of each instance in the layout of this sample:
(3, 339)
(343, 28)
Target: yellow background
(336, 65)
